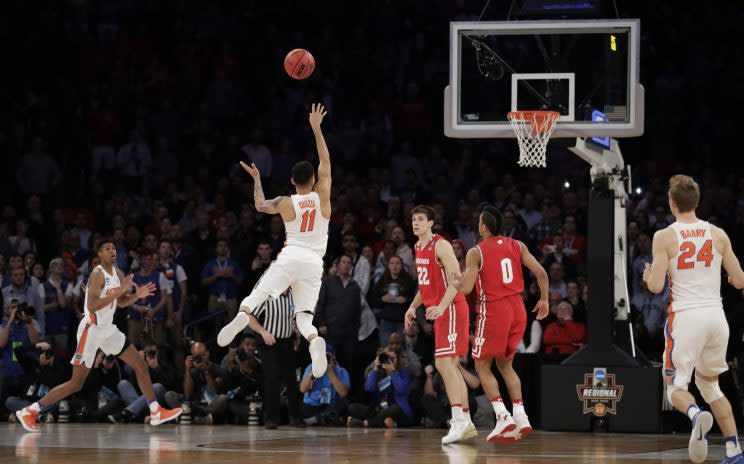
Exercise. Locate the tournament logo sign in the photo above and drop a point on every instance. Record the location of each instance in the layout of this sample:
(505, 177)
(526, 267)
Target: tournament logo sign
(600, 393)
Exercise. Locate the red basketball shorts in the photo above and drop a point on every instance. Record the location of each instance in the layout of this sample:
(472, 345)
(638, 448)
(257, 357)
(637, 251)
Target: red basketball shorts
(451, 331)
(499, 327)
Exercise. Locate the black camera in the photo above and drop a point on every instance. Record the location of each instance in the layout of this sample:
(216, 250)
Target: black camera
(384, 358)
(151, 354)
(243, 355)
(48, 353)
(197, 358)
(23, 309)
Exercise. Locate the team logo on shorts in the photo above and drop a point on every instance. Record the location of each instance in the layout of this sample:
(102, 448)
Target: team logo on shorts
(452, 338)
(600, 392)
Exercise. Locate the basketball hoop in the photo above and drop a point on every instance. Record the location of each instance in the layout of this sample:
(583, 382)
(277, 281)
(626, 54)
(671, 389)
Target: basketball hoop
(533, 129)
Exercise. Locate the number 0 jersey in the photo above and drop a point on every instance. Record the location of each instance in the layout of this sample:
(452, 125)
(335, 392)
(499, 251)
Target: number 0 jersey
(309, 229)
(432, 278)
(695, 272)
(500, 274)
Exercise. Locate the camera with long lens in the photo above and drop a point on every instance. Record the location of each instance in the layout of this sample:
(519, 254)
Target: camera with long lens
(197, 358)
(243, 355)
(23, 310)
(384, 358)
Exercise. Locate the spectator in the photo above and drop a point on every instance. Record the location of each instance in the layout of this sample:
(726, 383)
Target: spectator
(21, 291)
(244, 380)
(564, 336)
(435, 402)
(359, 266)
(38, 172)
(222, 276)
(644, 256)
(324, 401)
(532, 338)
(388, 249)
(203, 384)
(398, 235)
(163, 378)
(149, 317)
(388, 386)
(574, 243)
(21, 242)
(464, 229)
(42, 371)
(407, 357)
(557, 284)
(202, 238)
(56, 299)
(133, 161)
(555, 253)
(420, 344)
(38, 273)
(258, 153)
(179, 293)
(339, 309)
(20, 329)
(651, 315)
(512, 228)
(276, 236)
(551, 215)
(81, 227)
(101, 383)
(4, 277)
(260, 262)
(460, 252)
(574, 299)
(391, 297)
(528, 213)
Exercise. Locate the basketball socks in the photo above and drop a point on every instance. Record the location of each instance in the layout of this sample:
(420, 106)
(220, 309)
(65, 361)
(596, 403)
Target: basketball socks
(154, 406)
(498, 406)
(36, 407)
(466, 414)
(732, 446)
(692, 410)
(518, 408)
(457, 413)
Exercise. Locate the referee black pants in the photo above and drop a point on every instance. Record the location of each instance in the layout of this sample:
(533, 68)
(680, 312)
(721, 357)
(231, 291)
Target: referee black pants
(278, 363)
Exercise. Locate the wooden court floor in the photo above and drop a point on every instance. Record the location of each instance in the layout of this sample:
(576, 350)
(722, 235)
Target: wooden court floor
(136, 444)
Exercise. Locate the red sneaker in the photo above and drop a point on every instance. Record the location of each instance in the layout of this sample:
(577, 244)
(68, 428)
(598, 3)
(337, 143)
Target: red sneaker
(27, 417)
(163, 415)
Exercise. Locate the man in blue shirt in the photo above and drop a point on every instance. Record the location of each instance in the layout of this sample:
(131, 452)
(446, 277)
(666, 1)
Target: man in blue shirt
(651, 317)
(325, 398)
(19, 330)
(149, 317)
(222, 276)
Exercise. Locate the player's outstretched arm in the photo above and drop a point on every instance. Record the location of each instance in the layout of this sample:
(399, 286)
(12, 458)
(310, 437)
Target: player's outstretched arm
(472, 266)
(655, 273)
(446, 256)
(273, 206)
(730, 261)
(323, 184)
(530, 262)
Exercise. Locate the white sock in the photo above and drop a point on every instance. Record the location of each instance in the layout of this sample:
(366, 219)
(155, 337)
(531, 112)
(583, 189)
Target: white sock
(498, 406)
(692, 410)
(241, 318)
(466, 415)
(518, 410)
(35, 407)
(154, 406)
(457, 413)
(732, 447)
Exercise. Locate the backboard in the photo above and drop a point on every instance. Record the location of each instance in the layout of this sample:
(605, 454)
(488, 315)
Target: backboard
(587, 70)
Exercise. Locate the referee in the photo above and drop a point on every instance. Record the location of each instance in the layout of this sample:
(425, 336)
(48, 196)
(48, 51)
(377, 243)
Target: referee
(273, 322)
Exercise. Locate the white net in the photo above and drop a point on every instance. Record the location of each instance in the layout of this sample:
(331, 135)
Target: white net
(533, 129)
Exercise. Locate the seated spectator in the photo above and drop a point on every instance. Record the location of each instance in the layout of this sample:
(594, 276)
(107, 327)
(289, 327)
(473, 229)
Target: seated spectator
(388, 386)
(564, 336)
(420, 344)
(555, 253)
(99, 396)
(20, 290)
(435, 402)
(203, 383)
(42, 373)
(391, 297)
(324, 400)
(574, 299)
(163, 378)
(244, 379)
(574, 243)
(20, 329)
(649, 322)
(556, 280)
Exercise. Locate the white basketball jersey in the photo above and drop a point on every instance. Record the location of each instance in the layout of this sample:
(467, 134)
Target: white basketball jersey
(695, 272)
(104, 316)
(309, 228)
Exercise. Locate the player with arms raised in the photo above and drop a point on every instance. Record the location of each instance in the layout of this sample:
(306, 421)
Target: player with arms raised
(107, 289)
(438, 277)
(494, 267)
(300, 263)
(691, 252)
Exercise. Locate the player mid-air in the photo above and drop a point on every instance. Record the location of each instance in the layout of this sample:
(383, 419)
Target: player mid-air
(691, 252)
(300, 263)
(494, 267)
(438, 276)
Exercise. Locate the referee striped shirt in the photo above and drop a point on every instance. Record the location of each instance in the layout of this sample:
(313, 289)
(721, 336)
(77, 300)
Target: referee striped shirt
(275, 315)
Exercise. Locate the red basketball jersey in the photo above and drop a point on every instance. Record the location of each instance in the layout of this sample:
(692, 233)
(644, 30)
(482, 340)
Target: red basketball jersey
(432, 278)
(501, 269)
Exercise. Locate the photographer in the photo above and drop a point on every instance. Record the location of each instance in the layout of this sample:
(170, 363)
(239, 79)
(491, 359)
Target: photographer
(244, 379)
(202, 383)
(42, 373)
(19, 330)
(99, 396)
(435, 402)
(388, 385)
(163, 378)
(325, 398)
(21, 291)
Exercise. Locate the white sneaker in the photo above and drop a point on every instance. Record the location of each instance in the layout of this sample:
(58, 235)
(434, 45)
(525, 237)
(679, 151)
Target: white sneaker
(318, 356)
(523, 425)
(459, 431)
(698, 446)
(228, 333)
(504, 423)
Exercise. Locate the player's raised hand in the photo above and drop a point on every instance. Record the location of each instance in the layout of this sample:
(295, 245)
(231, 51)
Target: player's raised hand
(317, 114)
(145, 290)
(252, 170)
(542, 308)
(433, 312)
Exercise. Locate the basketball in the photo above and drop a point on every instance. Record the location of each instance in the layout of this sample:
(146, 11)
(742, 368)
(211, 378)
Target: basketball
(299, 64)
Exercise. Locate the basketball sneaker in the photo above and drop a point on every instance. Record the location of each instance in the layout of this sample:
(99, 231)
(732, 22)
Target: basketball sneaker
(504, 423)
(228, 333)
(523, 425)
(318, 356)
(738, 459)
(27, 417)
(162, 415)
(698, 446)
(459, 431)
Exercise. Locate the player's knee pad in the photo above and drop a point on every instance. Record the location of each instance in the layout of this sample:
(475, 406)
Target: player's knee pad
(710, 391)
(670, 389)
(254, 300)
(305, 324)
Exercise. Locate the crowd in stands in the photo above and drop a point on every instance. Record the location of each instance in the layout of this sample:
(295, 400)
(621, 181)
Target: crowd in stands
(128, 123)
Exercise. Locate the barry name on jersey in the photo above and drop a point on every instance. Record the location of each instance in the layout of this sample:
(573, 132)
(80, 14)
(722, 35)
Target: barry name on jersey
(692, 233)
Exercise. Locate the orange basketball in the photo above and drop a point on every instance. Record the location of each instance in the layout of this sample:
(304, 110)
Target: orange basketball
(299, 63)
